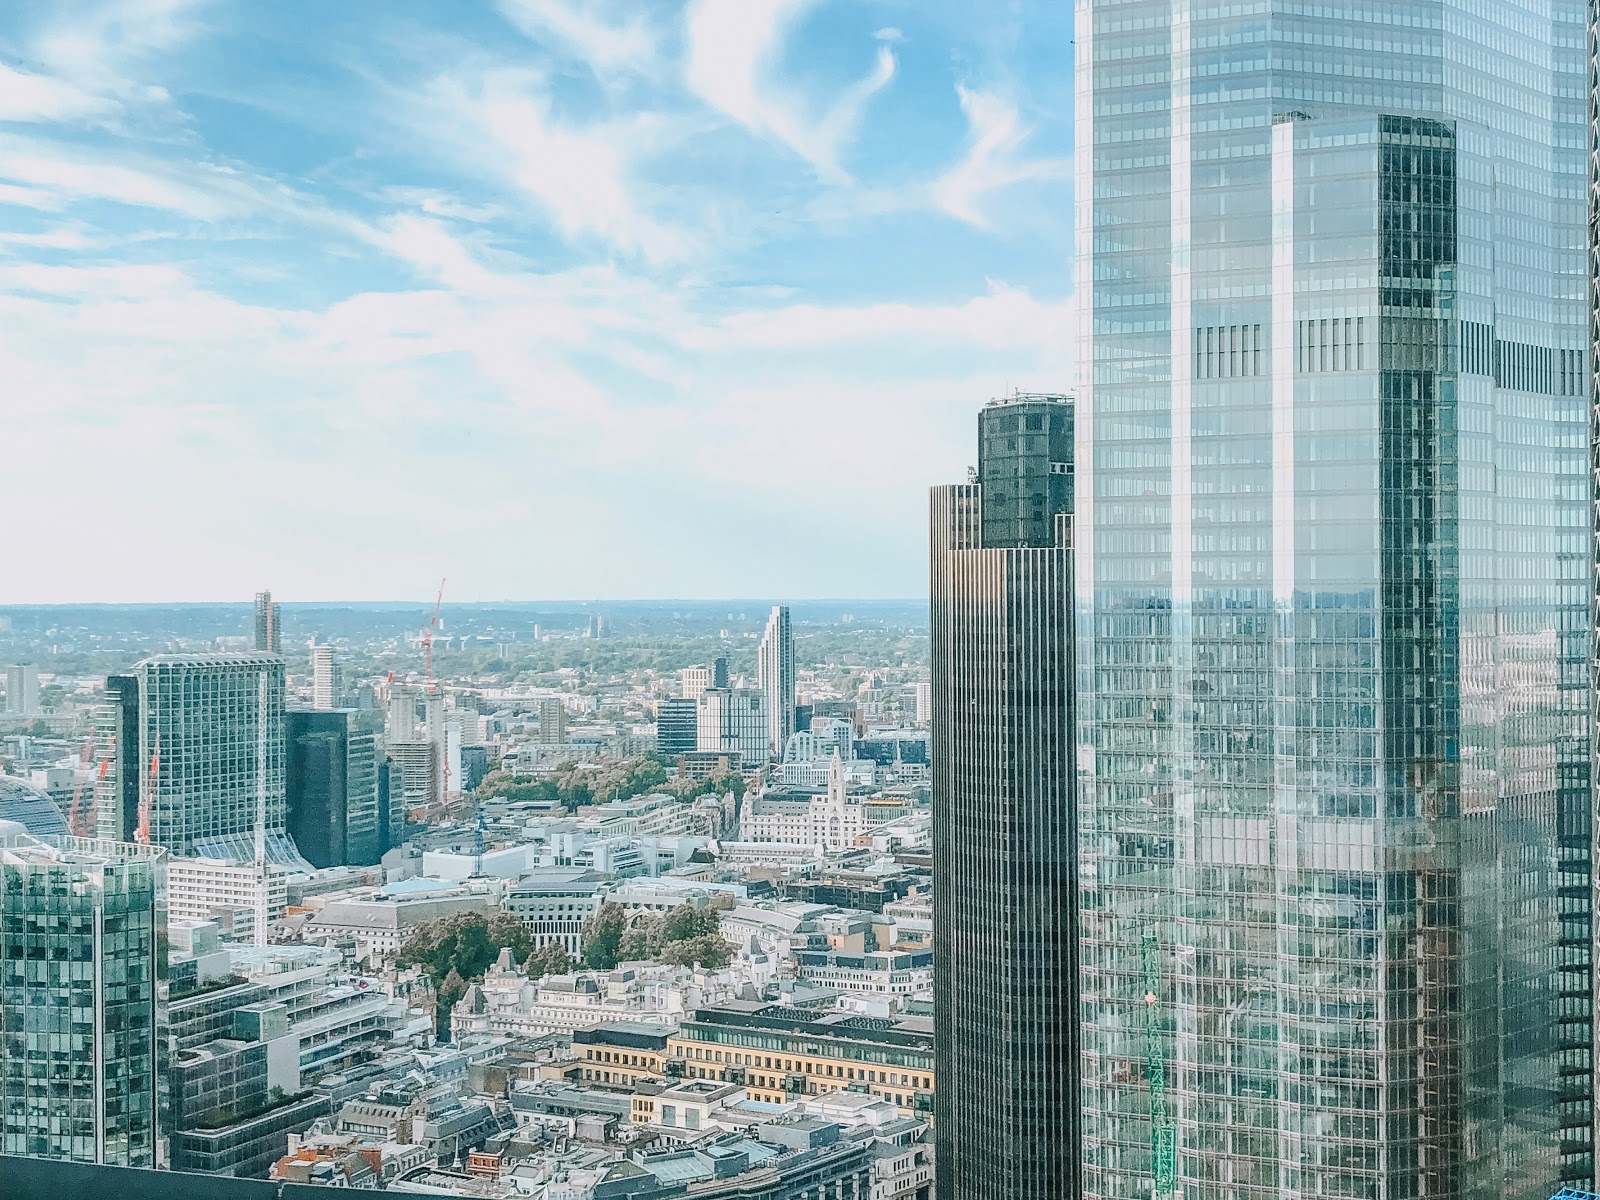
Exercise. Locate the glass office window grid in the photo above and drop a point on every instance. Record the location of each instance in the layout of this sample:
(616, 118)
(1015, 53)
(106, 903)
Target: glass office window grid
(1333, 613)
(201, 726)
(78, 1010)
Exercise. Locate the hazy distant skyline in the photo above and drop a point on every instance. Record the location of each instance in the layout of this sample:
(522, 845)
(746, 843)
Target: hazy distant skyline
(551, 297)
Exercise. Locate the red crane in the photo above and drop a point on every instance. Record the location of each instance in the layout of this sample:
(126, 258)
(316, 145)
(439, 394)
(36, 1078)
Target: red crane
(142, 834)
(75, 821)
(427, 635)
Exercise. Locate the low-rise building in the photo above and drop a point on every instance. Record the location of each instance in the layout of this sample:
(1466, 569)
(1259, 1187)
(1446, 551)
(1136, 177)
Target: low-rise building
(781, 1054)
(555, 902)
(621, 1053)
(380, 920)
(229, 892)
(888, 972)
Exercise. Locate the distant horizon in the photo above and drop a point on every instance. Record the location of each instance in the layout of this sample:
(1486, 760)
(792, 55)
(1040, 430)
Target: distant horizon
(449, 604)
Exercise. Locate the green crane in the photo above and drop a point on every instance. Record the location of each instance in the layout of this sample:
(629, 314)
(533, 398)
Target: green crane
(1163, 1139)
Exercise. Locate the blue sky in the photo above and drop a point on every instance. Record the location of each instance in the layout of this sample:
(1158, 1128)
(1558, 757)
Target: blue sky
(556, 298)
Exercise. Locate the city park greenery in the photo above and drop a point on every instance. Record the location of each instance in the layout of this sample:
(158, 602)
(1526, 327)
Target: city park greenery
(456, 951)
(685, 936)
(576, 784)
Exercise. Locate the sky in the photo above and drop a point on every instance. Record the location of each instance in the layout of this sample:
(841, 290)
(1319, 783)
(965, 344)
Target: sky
(565, 299)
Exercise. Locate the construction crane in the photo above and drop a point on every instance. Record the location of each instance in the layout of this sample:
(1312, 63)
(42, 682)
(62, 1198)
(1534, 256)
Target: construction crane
(147, 796)
(1163, 1139)
(427, 635)
(75, 823)
(477, 840)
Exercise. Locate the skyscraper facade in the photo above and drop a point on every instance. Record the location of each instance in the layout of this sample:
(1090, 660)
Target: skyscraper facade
(116, 756)
(211, 749)
(269, 635)
(78, 1002)
(327, 678)
(22, 689)
(733, 721)
(1004, 815)
(331, 786)
(775, 675)
(677, 725)
(1333, 574)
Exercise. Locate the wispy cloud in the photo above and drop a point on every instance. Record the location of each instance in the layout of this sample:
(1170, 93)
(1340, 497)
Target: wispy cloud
(993, 159)
(581, 175)
(27, 97)
(735, 47)
(606, 46)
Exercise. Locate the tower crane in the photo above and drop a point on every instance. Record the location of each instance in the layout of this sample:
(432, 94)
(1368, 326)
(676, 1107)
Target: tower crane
(75, 824)
(1163, 1138)
(427, 635)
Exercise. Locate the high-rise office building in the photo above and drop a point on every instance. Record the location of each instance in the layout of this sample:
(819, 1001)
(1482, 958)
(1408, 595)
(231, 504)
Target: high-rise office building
(327, 678)
(22, 690)
(694, 680)
(332, 786)
(720, 677)
(1005, 819)
(733, 721)
(269, 632)
(1333, 572)
(775, 676)
(677, 725)
(78, 1002)
(211, 750)
(552, 722)
(116, 757)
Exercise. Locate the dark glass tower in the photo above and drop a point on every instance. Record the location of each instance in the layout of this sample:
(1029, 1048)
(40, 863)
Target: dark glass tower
(1005, 821)
(332, 786)
(677, 723)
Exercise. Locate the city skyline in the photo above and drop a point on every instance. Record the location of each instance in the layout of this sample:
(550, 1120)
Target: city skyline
(533, 238)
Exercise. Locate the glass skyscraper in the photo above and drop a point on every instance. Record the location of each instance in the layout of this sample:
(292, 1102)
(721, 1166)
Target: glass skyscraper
(1333, 574)
(1004, 813)
(79, 1015)
(211, 750)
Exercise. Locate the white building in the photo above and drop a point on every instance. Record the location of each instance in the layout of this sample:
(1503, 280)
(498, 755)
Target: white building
(694, 680)
(380, 920)
(22, 689)
(554, 904)
(515, 1006)
(231, 893)
(329, 1011)
(775, 672)
(326, 681)
(832, 821)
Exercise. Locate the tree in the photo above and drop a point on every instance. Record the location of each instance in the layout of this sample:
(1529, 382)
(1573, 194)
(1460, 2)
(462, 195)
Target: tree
(687, 922)
(602, 936)
(465, 943)
(710, 951)
(550, 959)
(449, 990)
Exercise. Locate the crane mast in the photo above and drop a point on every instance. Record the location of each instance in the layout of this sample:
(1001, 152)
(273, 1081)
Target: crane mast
(1163, 1138)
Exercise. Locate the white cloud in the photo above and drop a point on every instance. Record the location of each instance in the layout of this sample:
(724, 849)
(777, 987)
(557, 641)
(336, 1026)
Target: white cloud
(582, 176)
(734, 49)
(606, 46)
(575, 389)
(27, 97)
(993, 161)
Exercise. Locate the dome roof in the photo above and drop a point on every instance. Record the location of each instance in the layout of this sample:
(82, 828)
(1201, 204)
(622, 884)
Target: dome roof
(25, 804)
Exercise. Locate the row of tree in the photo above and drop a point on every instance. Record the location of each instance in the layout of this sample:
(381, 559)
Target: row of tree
(456, 950)
(686, 936)
(575, 784)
